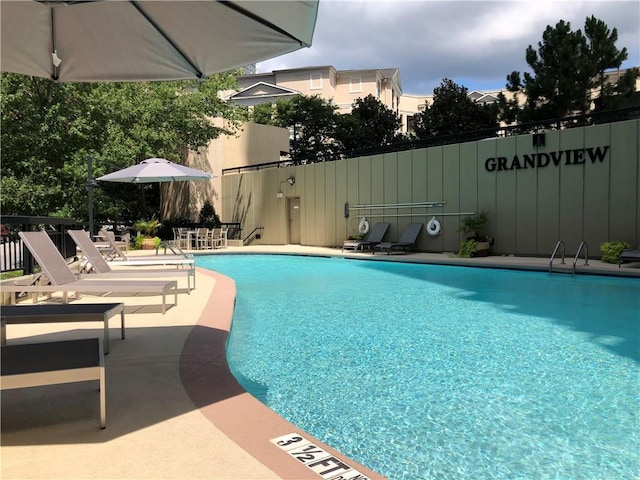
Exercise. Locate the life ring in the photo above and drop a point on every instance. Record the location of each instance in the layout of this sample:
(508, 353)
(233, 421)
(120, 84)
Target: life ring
(433, 227)
(364, 226)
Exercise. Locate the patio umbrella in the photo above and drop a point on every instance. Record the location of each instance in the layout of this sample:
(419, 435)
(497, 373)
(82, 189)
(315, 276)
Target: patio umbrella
(102, 40)
(154, 170)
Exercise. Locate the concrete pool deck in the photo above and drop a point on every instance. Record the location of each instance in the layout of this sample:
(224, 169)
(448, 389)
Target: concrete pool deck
(173, 409)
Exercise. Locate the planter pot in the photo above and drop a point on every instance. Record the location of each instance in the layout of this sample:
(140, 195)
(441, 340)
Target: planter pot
(482, 249)
(148, 244)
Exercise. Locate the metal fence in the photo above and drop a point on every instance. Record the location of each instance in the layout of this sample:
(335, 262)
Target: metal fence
(593, 118)
(13, 253)
(15, 256)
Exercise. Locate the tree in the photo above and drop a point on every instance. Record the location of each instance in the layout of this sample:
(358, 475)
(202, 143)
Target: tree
(372, 124)
(49, 129)
(452, 112)
(565, 69)
(312, 123)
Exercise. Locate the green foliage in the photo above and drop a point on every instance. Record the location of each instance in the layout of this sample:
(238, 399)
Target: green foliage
(356, 236)
(566, 67)
(312, 122)
(452, 112)
(370, 124)
(147, 228)
(612, 250)
(208, 216)
(13, 274)
(474, 227)
(319, 133)
(467, 248)
(49, 129)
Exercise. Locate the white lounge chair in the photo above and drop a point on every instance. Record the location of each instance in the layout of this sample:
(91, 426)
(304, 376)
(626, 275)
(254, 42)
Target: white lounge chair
(104, 270)
(118, 257)
(62, 279)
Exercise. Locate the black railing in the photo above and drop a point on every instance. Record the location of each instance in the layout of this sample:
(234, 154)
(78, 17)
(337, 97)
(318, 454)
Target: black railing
(256, 233)
(15, 256)
(593, 118)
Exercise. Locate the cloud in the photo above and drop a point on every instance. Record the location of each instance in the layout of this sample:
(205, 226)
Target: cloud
(475, 43)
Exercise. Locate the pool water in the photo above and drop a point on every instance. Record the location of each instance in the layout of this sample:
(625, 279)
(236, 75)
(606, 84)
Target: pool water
(437, 372)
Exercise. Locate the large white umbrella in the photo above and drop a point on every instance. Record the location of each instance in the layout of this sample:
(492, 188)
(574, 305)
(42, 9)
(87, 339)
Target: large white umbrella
(106, 40)
(153, 170)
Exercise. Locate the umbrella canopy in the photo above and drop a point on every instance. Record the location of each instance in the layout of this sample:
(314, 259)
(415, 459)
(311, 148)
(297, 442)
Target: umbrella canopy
(154, 170)
(103, 40)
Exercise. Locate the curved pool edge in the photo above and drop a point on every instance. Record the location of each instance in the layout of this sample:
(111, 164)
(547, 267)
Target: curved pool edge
(207, 379)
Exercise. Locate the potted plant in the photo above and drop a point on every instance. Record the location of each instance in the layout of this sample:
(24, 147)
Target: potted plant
(474, 228)
(146, 238)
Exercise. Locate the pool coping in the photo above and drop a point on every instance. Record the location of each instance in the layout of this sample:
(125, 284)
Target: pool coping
(214, 390)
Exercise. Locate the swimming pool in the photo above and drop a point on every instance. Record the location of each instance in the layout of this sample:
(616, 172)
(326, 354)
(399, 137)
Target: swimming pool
(432, 372)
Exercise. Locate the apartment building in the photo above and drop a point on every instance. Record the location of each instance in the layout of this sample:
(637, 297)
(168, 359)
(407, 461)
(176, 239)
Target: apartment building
(342, 87)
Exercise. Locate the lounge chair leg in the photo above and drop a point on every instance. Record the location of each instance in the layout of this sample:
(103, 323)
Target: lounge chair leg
(103, 400)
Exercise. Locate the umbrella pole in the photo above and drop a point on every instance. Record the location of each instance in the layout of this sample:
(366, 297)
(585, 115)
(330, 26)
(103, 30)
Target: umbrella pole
(90, 185)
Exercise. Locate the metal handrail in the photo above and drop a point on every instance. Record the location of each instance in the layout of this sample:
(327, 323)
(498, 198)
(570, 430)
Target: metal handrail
(586, 256)
(555, 250)
(253, 232)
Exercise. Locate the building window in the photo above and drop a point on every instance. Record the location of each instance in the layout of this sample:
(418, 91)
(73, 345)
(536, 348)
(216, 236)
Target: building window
(379, 85)
(355, 84)
(315, 81)
(411, 123)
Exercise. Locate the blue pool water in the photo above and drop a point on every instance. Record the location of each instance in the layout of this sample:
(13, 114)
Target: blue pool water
(436, 372)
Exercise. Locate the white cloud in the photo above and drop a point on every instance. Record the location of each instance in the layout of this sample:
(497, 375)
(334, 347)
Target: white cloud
(475, 43)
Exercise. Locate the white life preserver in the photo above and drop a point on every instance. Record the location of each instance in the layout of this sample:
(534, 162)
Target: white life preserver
(433, 227)
(364, 226)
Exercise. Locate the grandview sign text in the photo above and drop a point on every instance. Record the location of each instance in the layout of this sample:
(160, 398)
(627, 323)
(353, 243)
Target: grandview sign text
(541, 160)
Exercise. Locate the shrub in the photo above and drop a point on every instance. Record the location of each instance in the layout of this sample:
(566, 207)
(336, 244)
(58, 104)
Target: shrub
(612, 250)
(208, 216)
(467, 248)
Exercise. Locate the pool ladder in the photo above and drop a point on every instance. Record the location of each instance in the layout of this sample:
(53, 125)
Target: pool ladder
(560, 246)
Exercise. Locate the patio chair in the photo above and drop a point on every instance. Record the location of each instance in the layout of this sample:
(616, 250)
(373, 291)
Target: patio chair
(203, 238)
(118, 257)
(407, 240)
(105, 235)
(224, 240)
(104, 270)
(376, 235)
(180, 238)
(62, 279)
(215, 237)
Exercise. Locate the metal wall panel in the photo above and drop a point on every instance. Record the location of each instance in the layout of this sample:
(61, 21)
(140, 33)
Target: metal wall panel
(530, 208)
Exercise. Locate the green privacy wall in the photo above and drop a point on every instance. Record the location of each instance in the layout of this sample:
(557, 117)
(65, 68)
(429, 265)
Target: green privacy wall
(585, 197)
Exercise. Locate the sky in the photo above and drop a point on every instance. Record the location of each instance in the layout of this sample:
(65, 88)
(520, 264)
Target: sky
(474, 43)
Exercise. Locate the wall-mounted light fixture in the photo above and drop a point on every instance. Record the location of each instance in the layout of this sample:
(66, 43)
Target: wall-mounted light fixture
(291, 180)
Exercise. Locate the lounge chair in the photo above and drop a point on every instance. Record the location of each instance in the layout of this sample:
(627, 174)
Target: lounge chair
(407, 240)
(104, 270)
(629, 256)
(376, 235)
(62, 279)
(118, 257)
